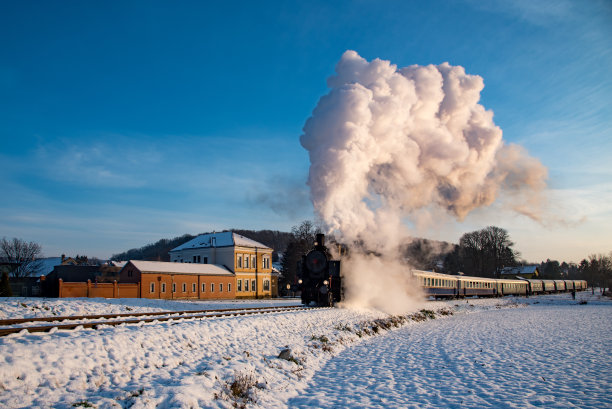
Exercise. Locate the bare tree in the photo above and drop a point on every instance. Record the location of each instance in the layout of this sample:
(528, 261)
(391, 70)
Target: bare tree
(22, 255)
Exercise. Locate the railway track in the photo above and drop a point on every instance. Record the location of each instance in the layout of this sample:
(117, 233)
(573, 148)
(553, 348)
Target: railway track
(85, 321)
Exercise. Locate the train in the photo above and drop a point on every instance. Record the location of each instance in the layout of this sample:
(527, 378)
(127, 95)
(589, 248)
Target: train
(320, 281)
(438, 285)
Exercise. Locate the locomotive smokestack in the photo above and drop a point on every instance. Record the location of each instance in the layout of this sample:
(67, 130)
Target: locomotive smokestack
(320, 240)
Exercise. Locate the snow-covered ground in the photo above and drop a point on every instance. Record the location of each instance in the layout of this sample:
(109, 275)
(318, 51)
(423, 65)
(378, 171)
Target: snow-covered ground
(20, 307)
(547, 351)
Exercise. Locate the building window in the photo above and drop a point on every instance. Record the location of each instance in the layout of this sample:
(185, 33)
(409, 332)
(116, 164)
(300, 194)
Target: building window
(212, 287)
(239, 261)
(246, 285)
(163, 287)
(246, 262)
(205, 260)
(173, 287)
(130, 273)
(265, 262)
(193, 287)
(254, 261)
(203, 287)
(194, 259)
(152, 287)
(229, 287)
(253, 288)
(239, 285)
(220, 287)
(184, 287)
(266, 285)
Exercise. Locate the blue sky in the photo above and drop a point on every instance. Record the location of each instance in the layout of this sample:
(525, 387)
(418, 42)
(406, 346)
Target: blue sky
(126, 122)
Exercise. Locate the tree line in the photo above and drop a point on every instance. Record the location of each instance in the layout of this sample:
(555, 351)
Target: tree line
(159, 251)
(481, 253)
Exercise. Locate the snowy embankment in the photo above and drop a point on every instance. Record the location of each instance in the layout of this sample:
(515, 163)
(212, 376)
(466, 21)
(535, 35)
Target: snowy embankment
(225, 362)
(19, 307)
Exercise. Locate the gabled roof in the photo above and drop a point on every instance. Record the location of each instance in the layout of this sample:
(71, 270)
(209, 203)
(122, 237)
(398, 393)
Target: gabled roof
(223, 239)
(180, 268)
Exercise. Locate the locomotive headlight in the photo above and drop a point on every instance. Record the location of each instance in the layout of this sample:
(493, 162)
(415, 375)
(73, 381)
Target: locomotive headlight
(325, 282)
(299, 281)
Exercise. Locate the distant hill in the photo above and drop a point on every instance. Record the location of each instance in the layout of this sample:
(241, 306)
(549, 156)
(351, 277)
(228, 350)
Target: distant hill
(158, 251)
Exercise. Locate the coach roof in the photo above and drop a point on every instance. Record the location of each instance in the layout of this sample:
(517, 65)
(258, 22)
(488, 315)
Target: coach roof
(158, 267)
(223, 239)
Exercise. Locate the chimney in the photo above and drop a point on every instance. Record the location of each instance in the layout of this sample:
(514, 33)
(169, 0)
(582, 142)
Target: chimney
(320, 240)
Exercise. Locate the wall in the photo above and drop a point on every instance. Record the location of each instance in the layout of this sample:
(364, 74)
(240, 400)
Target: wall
(92, 290)
(153, 286)
(251, 293)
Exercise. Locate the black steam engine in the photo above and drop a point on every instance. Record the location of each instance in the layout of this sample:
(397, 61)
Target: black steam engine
(320, 280)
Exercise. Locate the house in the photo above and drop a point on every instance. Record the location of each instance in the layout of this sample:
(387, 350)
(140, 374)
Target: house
(520, 271)
(249, 260)
(160, 279)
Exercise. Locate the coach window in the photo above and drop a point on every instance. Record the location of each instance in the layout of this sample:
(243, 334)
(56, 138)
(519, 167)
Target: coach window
(163, 287)
(152, 287)
(193, 287)
(212, 287)
(239, 288)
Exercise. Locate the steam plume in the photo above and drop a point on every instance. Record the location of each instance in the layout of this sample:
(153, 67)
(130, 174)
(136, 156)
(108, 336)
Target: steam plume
(386, 143)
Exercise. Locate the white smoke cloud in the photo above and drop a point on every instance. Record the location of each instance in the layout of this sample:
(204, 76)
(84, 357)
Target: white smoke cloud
(386, 144)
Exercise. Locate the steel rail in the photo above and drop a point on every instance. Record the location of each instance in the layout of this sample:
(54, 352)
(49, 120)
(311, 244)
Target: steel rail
(13, 321)
(156, 317)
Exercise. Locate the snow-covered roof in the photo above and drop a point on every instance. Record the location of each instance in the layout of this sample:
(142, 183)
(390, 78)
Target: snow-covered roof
(519, 270)
(117, 263)
(180, 268)
(46, 265)
(223, 239)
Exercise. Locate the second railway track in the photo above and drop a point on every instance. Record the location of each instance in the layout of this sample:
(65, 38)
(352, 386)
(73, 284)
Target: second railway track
(129, 318)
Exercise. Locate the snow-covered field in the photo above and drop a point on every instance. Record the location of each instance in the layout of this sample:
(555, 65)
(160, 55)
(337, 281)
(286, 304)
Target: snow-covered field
(547, 351)
(19, 307)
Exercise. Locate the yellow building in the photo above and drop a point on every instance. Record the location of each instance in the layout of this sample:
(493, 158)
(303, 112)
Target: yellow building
(249, 260)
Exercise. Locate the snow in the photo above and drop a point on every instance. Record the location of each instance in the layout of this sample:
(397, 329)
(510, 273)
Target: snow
(222, 239)
(21, 307)
(510, 358)
(180, 268)
(511, 353)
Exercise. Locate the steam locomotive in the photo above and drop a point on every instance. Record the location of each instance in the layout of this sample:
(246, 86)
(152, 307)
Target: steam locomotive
(320, 281)
(319, 276)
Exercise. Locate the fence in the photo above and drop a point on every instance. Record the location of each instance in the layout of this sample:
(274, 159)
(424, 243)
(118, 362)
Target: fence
(105, 290)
